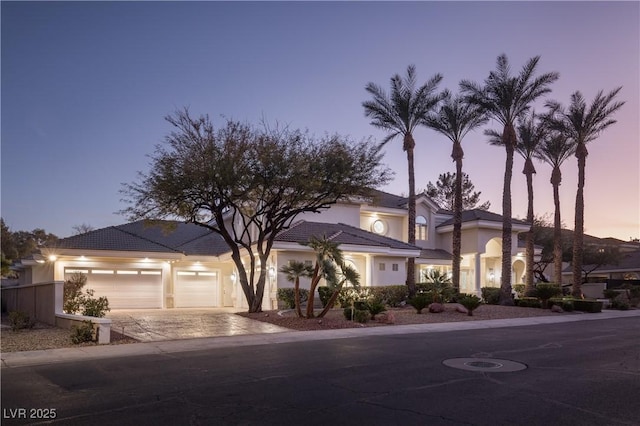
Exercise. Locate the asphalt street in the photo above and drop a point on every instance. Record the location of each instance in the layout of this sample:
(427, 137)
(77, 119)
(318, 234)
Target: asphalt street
(577, 373)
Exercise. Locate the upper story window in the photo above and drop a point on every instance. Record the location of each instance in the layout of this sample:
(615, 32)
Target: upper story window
(421, 228)
(379, 227)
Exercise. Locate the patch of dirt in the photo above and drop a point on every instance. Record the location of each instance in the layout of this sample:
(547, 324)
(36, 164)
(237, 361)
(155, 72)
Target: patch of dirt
(405, 315)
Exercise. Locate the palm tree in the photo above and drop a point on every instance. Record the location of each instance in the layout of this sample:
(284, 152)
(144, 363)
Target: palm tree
(347, 275)
(531, 134)
(294, 271)
(327, 256)
(505, 98)
(400, 113)
(454, 120)
(554, 150)
(583, 125)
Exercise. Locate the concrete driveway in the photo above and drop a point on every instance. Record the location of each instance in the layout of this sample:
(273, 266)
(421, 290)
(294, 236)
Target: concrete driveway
(152, 325)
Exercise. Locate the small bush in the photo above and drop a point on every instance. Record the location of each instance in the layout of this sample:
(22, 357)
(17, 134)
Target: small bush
(95, 307)
(620, 304)
(565, 303)
(610, 294)
(529, 302)
(82, 333)
(471, 302)
(20, 320)
(420, 301)
(545, 291)
(357, 315)
(349, 295)
(592, 306)
(490, 295)
(287, 296)
(391, 295)
(375, 308)
(325, 294)
(72, 293)
(519, 289)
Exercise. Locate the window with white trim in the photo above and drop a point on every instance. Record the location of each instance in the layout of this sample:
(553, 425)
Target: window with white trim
(421, 229)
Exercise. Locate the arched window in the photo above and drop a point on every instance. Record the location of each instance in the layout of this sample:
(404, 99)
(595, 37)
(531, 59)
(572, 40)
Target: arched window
(421, 228)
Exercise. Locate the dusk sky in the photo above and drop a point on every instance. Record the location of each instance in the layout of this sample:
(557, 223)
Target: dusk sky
(86, 87)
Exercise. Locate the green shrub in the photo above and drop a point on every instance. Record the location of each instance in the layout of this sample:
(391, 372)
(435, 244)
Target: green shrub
(528, 302)
(357, 315)
(82, 333)
(287, 296)
(490, 295)
(592, 306)
(349, 295)
(20, 320)
(95, 307)
(325, 294)
(74, 300)
(545, 291)
(391, 295)
(375, 308)
(471, 302)
(566, 303)
(420, 301)
(610, 293)
(620, 304)
(519, 289)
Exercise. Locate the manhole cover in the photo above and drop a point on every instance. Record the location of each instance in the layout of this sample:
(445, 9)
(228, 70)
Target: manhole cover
(484, 364)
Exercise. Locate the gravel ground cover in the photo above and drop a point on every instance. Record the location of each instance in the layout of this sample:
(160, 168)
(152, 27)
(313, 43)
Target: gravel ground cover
(43, 336)
(406, 315)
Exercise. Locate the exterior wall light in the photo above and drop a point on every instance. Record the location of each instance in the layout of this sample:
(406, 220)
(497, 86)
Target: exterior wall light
(53, 258)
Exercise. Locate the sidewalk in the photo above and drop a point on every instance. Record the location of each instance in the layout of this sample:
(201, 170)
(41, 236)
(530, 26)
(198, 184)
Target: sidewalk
(50, 356)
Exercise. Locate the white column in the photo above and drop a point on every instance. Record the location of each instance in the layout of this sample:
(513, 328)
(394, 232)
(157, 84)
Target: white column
(478, 274)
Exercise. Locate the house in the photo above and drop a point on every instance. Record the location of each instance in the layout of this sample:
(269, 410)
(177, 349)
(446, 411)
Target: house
(182, 265)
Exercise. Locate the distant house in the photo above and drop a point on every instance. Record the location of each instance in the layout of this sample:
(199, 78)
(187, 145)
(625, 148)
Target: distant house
(183, 265)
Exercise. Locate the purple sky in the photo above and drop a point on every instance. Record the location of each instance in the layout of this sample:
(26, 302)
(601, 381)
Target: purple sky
(86, 86)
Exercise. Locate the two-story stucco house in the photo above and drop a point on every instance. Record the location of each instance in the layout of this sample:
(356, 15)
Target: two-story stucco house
(138, 266)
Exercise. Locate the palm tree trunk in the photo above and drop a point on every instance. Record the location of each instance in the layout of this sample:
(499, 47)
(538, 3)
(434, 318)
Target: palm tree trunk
(409, 145)
(529, 170)
(509, 137)
(296, 295)
(578, 231)
(457, 155)
(556, 178)
(330, 303)
(312, 289)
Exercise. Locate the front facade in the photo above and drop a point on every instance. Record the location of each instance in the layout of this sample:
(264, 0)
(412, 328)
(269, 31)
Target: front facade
(179, 265)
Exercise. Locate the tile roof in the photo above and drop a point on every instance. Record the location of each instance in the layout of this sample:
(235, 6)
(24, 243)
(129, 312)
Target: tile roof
(435, 254)
(627, 261)
(386, 199)
(300, 232)
(477, 214)
(161, 237)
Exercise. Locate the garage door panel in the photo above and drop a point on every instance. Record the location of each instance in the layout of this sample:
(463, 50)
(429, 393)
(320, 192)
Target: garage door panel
(196, 290)
(131, 290)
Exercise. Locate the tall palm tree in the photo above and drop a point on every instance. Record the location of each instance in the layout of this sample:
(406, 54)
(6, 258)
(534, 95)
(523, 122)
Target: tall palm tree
(530, 133)
(399, 113)
(294, 271)
(554, 150)
(454, 120)
(505, 98)
(583, 125)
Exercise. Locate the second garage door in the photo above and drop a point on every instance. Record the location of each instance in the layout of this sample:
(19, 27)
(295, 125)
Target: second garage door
(196, 289)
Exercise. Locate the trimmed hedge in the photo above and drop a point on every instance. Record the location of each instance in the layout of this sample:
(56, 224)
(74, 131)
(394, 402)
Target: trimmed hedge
(286, 295)
(591, 306)
(391, 295)
(528, 302)
(490, 295)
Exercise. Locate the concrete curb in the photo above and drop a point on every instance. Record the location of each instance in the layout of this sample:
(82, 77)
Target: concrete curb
(54, 356)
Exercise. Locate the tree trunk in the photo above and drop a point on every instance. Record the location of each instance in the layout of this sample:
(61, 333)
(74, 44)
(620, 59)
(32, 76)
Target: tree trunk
(330, 303)
(312, 290)
(529, 170)
(578, 231)
(556, 179)
(509, 138)
(457, 155)
(409, 145)
(296, 295)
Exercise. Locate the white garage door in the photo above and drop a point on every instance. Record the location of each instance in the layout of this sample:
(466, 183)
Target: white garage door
(196, 289)
(125, 289)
